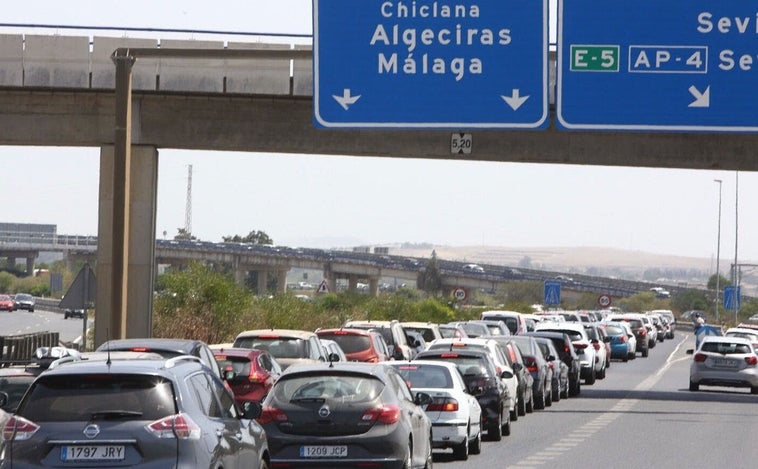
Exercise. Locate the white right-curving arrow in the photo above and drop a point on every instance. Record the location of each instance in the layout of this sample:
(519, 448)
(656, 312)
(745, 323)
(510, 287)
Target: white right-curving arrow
(701, 99)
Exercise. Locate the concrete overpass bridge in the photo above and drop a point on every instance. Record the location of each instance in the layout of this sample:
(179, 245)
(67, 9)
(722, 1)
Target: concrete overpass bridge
(205, 95)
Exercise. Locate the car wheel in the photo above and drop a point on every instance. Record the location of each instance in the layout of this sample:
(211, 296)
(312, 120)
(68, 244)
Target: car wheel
(521, 406)
(495, 430)
(539, 404)
(549, 397)
(591, 378)
(460, 452)
(556, 393)
(408, 463)
(263, 464)
(626, 358)
(475, 447)
(530, 404)
(506, 429)
(601, 374)
(645, 353)
(695, 386)
(515, 412)
(574, 387)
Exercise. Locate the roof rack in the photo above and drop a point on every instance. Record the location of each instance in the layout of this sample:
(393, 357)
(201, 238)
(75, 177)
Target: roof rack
(174, 361)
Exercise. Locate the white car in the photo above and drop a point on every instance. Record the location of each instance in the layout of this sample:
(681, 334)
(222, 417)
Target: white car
(584, 349)
(724, 361)
(744, 332)
(474, 268)
(455, 414)
(495, 352)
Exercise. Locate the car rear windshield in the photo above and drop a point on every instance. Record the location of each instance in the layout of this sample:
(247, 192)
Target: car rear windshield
(66, 398)
(592, 333)
(14, 387)
(614, 330)
(725, 348)
(239, 365)
(467, 365)
(424, 376)
(279, 347)
(350, 343)
(426, 333)
(573, 335)
(355, 388)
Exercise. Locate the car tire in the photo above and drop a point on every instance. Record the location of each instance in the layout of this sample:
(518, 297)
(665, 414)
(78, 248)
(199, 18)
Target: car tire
(575, 387)
(475, 446)
(753, 389)
(506, 429)
(263, 464)
(408, 463)
(591, 378)
(530, 404)
(556, 393)
(539, 404)
(460, 451)
(645, 353)
(601, 373)
(694, 386)
(549, 397)
(521, 406)
(495, 431)
(626, 358)
(565, 394)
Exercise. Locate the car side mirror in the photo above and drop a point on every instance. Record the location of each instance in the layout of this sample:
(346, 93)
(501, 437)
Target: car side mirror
(550, 358)
(3, 398)
(422, 399)
(506, 375)
(251, 410)
(397, 354)
(517, 367)
(333, 357)
(607, 340)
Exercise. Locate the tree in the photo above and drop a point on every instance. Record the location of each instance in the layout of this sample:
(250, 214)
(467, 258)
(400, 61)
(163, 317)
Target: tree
(430, 279)
(723, 282)
(183, 234)
(254, 237)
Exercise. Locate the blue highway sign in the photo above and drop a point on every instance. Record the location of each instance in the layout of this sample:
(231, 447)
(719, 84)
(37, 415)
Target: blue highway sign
(552, 293)
(732, 300)
(652, 65)
(430, 64)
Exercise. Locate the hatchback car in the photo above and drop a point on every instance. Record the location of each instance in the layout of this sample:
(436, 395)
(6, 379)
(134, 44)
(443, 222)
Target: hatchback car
(568, 355)
(393, 334)
(582, 344)
(346, 415)
(286, 345)
(428, 330)
(7, 303)
(514, 320)
(621, 346)
(638, 329)
(139, 413)
(359, 345)
(560, 381)
(455, 414)
(250, 373)
(482, 381)
(542, 373)
(24, 301)
(724, 361)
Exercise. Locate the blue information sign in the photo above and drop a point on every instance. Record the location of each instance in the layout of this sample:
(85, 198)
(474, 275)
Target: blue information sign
(552, 293)
(430, 64)
(652, 65)
(732, 300)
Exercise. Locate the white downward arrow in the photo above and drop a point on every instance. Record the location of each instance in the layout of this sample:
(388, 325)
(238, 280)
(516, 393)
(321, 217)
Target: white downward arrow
(346, 100)
(515, 100)
(701, 99)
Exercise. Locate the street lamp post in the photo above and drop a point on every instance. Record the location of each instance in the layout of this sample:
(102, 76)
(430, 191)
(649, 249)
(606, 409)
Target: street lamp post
(718, 254)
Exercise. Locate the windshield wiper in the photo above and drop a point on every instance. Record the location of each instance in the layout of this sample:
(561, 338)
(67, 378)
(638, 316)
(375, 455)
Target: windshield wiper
(319, 400)
(115, 414)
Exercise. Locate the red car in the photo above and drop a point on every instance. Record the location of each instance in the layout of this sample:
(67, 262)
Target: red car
(359, 345)
(7, 303)
(250, 373)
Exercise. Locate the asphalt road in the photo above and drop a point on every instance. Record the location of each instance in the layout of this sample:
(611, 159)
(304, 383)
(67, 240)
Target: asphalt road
(24, 322)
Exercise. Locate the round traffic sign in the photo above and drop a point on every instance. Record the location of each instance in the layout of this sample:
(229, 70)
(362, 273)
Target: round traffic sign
(604, 301)
(459, 294)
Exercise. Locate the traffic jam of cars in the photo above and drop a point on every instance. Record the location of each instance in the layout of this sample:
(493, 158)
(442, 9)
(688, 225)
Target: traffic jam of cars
(380, 396)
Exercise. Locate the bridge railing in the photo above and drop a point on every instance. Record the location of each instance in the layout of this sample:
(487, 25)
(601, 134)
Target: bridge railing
(83, 62)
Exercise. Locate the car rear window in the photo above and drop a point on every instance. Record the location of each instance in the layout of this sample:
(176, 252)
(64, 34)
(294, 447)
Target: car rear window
(425, 332)
(239, 365)
(424, 376)
(467, 365)
(15, 387)
(350, 343)
(725, 348)
(355, 388)
(614, 330)
(279, 347)
(86, 397)
(591, 333)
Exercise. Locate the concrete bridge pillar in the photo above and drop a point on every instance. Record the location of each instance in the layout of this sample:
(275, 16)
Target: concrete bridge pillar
(373, 286)
(239, 276)
(30, 266)
(331, 279)
(262, 281)
(352, 283)
(126, 243)
(281, 281)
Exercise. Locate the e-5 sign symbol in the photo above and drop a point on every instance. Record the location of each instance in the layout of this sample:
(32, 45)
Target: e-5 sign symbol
(595, 58)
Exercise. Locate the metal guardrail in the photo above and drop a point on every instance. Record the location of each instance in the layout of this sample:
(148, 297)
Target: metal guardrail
(19, 349)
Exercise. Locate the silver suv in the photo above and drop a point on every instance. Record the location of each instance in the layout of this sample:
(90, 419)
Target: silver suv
(133, 412)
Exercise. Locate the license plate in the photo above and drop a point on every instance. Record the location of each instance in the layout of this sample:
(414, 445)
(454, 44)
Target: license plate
(92, 453)
(323, 451)
(724, 362)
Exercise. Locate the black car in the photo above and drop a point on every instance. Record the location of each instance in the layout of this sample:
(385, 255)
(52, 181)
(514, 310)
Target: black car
(538, 367)
(167, 348)
(73, 313)
(480, 375)
(568, 355)
(137, 413)
(346, 414)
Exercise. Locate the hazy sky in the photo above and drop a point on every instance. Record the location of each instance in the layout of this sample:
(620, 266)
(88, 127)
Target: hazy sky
(327, 201)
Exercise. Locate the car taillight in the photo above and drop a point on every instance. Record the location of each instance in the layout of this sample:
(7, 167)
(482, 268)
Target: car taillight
(531, 364)
(700, 357)
(442, 404)
(256, 377)
(642, 331)
(179, 426)
(580, 345)
(622, 338)
(19, 429)
(272, 414)
(751, 360)
(383, 414)
(373, 360)
(596, 345)
(552, 365)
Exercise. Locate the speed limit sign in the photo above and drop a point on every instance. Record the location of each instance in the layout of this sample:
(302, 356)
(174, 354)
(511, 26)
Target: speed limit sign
(459, 294)
(604, 301)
